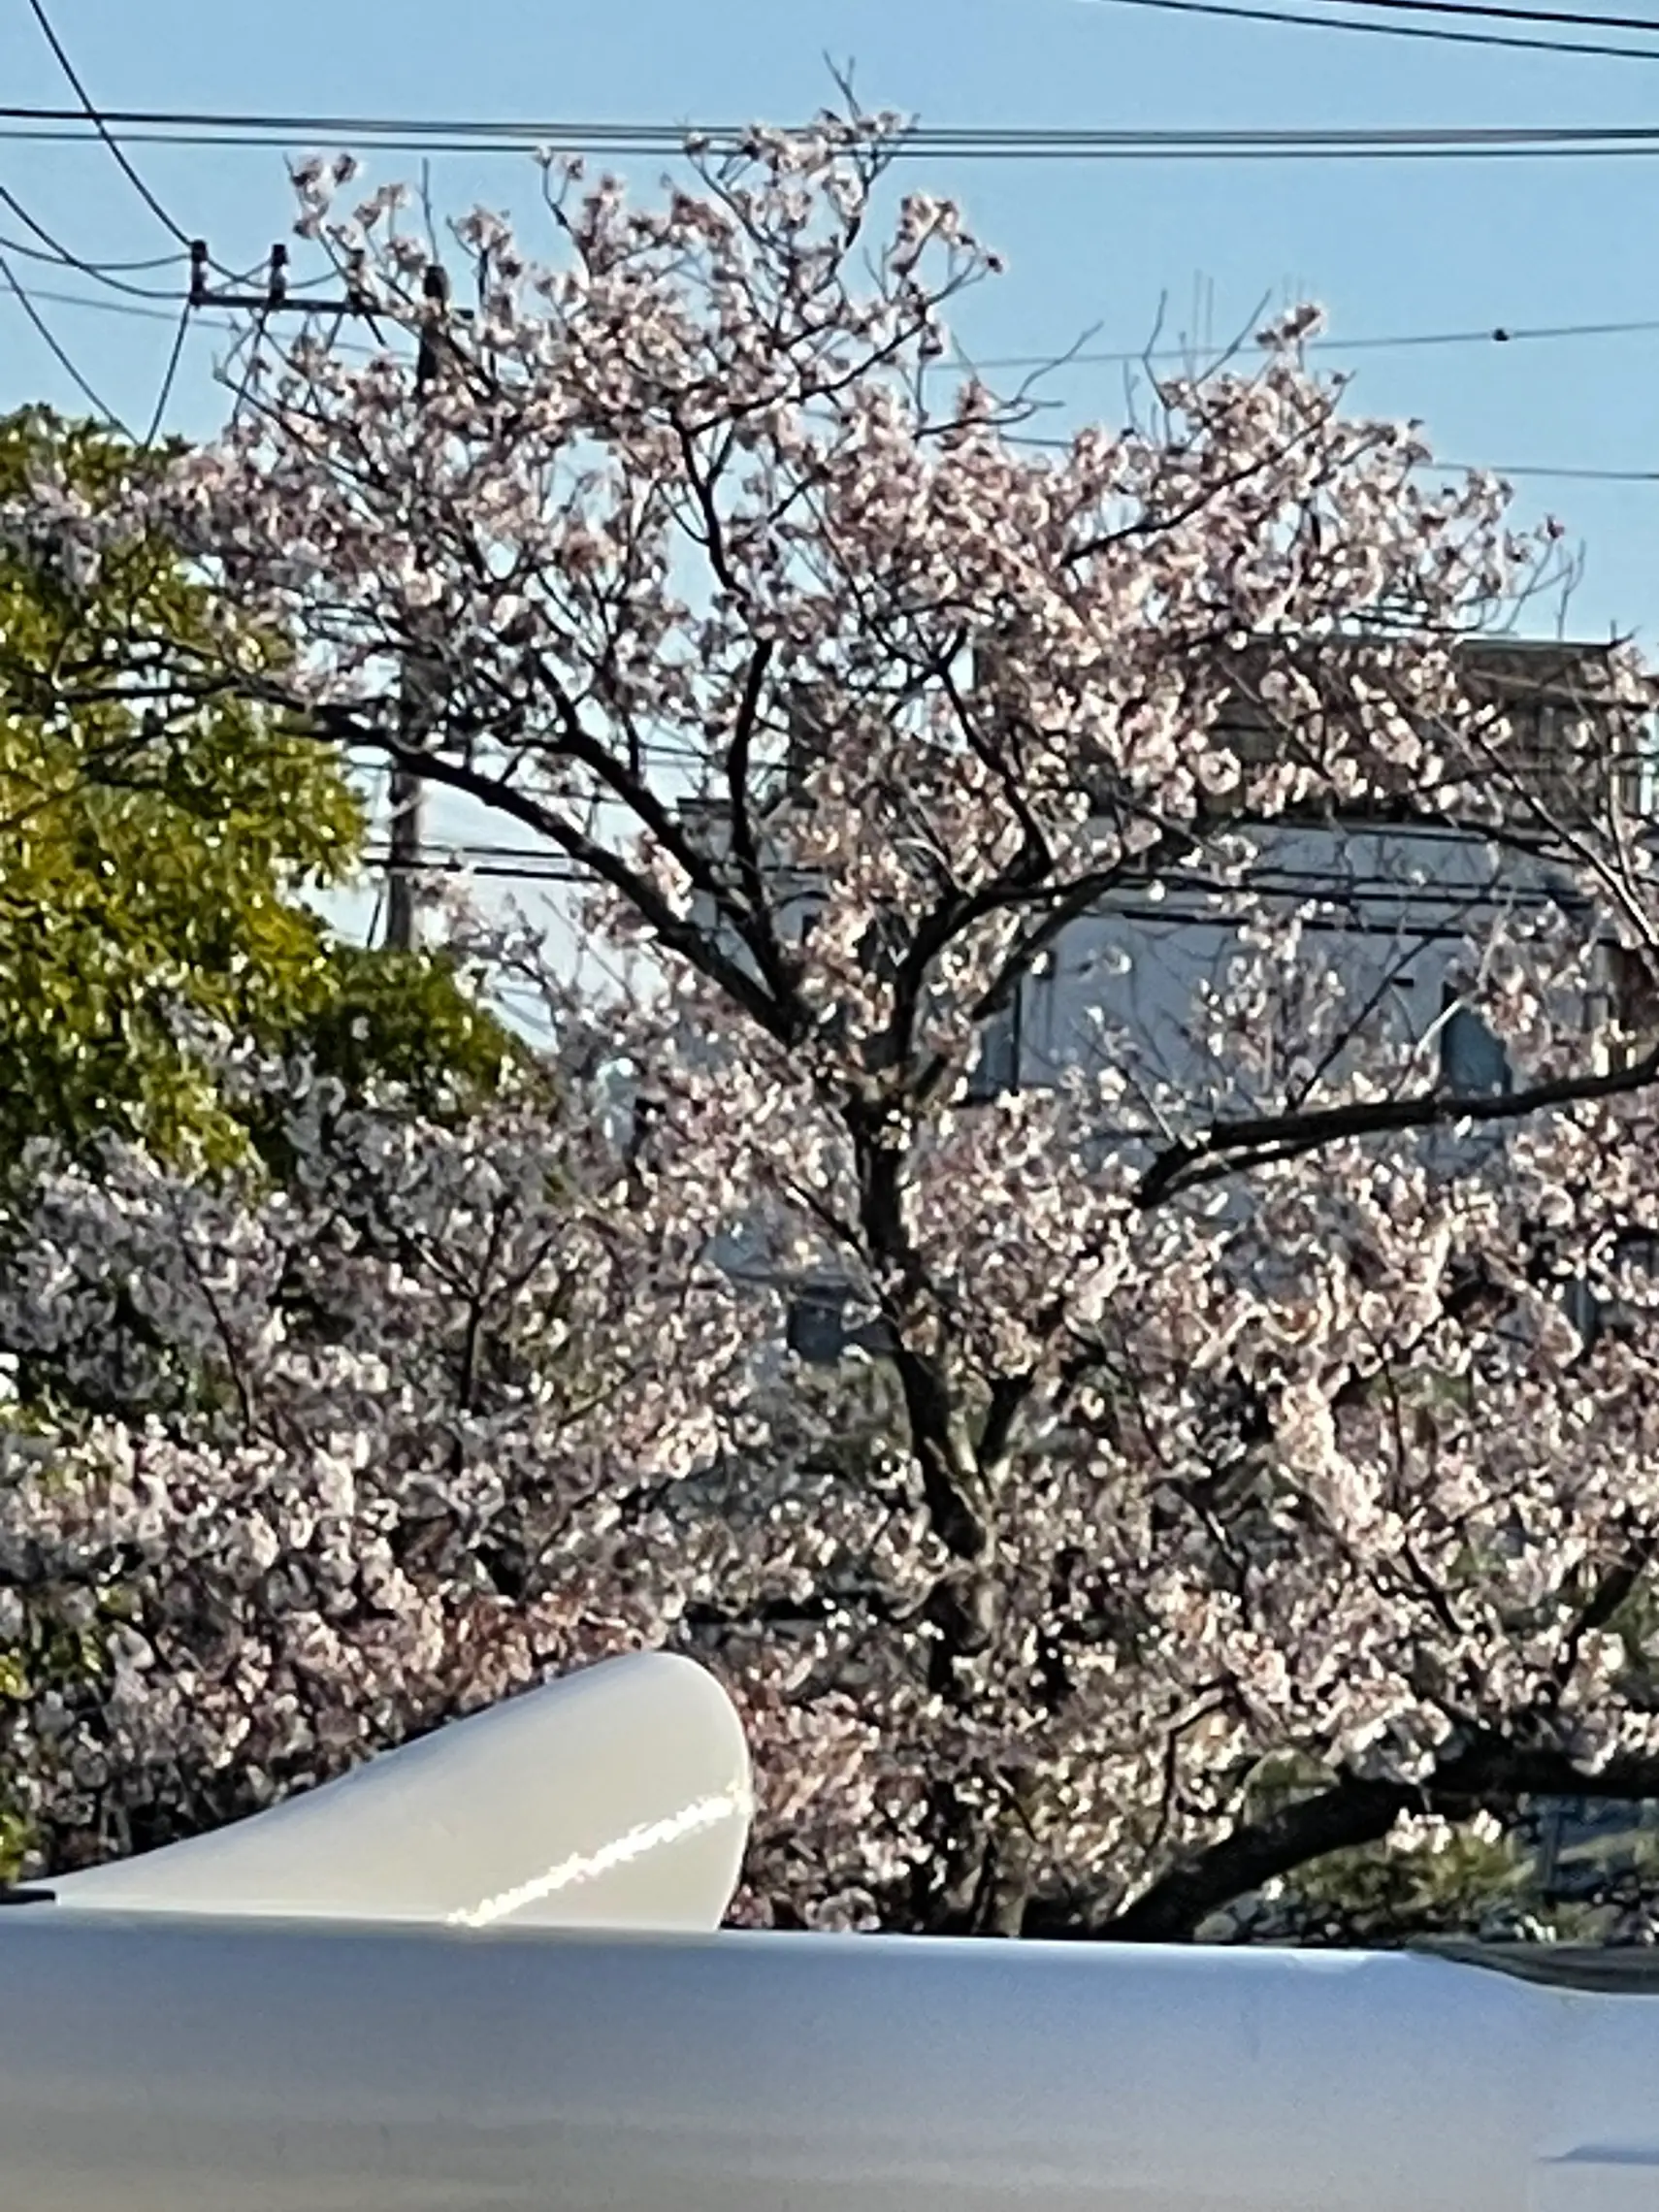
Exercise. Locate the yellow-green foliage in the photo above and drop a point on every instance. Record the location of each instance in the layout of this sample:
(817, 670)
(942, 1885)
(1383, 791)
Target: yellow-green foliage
(153, 855)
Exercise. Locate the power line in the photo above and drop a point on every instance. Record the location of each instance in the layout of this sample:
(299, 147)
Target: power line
(969, 141)
(1519, 334)
(1517, 469)
(38, 11)
(1500, 335)
(169, 374)
(91, 301)
(1342, 895)
(1404, 341)
(100, 124)
(1494, 9)
(100, 269)
(1539, 470)
(60, 256)
(1238, 12)
(446, 862)
(62, 357)
(28, 298)
(1586, 475)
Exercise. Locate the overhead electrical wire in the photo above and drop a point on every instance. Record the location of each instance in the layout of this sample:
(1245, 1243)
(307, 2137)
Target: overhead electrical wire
(391, 134)
(59, 352)
(93, 116)
(53, 249)
(63, 260)
(1519, 334)
(1515, 469)
(90, 299)
(1238, 11)
(921, 141)
(169, 377)
(1499, 333)
(1582, 475)
(1499, 11)
(1539, 470)
(1343, 898)
(99, 123)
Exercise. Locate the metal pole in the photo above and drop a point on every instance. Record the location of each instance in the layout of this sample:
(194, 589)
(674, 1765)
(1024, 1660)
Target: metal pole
(420, 696)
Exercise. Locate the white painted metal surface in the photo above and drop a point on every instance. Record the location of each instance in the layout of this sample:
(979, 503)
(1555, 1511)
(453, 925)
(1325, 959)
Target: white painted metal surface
(347, 2006)
(161, 2065)
(618, 1796)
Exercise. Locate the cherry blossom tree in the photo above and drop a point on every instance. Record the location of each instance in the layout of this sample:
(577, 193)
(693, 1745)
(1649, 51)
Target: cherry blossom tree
(300, 1466)
(1249, 1459)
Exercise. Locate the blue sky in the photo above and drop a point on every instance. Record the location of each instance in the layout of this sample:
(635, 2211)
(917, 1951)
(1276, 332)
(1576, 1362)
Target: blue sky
(1392, 249)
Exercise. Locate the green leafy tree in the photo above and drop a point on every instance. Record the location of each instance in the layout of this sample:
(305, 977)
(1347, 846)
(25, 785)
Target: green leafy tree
(158, 860)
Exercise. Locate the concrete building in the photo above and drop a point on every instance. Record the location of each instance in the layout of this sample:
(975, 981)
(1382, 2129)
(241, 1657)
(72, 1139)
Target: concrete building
(1400, 889)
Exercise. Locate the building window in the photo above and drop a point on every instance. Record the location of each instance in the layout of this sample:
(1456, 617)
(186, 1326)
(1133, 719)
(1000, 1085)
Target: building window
(816, 1329)
(1634, 990)
(1472, 1063)
(995, 1069)
(1638, 1251)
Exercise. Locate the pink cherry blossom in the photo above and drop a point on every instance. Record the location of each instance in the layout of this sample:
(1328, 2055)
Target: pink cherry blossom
(1246, 1397)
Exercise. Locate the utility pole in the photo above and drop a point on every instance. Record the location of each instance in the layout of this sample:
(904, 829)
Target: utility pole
(420, 684)
(416, 685)
(419, 692)
(405, 804)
